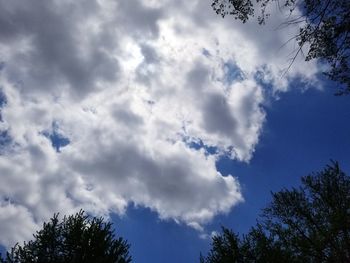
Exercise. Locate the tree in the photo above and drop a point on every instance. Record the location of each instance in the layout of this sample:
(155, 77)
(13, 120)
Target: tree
(256, 246)
(306, 224)
(225, 248)
(324, 28)
(77, 238)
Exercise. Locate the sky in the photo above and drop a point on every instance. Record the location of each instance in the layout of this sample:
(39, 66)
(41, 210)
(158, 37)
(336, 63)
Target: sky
(158, 115)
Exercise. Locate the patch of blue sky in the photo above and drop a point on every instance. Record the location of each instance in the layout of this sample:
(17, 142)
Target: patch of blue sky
(198, 144)
(2, 251)
(5, 141)
(57, 139)
(260, 78)
(157, 241)
(206, 53)
(5, 138)
(2, 100)
(232, 73)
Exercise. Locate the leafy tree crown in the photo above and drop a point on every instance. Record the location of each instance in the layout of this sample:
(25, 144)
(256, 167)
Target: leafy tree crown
(77, 238)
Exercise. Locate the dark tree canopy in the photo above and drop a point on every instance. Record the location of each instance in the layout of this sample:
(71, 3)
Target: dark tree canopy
(256, 246)
(75, 239)
(324, 28)
(306, 224)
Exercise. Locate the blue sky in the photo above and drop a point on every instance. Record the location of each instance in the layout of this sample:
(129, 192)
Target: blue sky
(161, 116)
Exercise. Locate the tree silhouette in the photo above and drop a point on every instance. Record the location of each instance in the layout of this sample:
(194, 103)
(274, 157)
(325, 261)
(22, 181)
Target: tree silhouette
(324, 28)
(256, 246)
(306, 224)
(77, 238)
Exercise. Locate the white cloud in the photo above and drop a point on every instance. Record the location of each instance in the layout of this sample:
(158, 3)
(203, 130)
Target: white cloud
(131, 84)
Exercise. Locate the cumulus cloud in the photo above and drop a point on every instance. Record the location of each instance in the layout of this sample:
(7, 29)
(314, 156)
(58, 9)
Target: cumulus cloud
(129, 86)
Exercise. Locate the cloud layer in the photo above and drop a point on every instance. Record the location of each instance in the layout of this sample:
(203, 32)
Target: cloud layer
(132, 88)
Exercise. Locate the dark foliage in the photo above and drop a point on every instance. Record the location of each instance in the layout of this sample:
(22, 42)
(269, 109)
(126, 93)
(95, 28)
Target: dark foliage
(306, 224)
(256, 246)
(324, 28)
(78, 238)
(239, 9)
